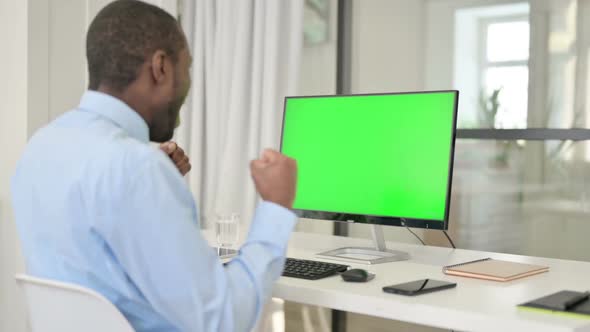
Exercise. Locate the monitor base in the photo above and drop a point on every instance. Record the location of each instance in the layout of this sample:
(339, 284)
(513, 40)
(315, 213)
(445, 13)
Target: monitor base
(367, 256)
(377, 255)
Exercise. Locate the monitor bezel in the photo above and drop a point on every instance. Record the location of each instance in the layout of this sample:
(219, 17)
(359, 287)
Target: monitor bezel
(385, 220)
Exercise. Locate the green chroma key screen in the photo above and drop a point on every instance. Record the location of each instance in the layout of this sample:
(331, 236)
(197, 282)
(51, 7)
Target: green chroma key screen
(385, 155)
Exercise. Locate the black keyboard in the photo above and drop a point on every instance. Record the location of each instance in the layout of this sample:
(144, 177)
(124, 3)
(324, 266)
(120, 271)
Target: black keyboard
(312, 270)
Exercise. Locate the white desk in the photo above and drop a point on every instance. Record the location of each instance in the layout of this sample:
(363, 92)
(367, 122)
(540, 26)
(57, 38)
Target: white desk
(474, 305)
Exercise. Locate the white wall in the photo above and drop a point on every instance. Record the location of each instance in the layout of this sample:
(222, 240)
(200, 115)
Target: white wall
(67, 64)
(13, 136)
(387, 45)
(44, 75)
(318, 61)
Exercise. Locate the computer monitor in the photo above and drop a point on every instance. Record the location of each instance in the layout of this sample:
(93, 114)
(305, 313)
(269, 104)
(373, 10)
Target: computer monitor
(381, 159)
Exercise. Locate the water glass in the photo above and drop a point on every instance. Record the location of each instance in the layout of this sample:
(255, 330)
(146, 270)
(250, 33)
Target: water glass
(227, 230)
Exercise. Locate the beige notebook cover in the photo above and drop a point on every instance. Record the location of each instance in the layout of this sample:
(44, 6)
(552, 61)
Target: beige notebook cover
(491, 269)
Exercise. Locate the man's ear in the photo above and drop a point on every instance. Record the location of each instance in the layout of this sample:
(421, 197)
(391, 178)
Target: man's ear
(159, 70)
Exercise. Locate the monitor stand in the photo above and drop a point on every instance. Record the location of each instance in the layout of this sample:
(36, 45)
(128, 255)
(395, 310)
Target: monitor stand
(379, 254)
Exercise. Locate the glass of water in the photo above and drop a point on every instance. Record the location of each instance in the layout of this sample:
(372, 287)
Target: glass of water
(227, 231)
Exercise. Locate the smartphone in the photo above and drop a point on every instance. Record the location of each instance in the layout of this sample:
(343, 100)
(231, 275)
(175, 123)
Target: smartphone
(419, 287)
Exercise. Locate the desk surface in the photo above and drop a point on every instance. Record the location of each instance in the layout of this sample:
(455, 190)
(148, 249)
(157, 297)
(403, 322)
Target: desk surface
(474, 305)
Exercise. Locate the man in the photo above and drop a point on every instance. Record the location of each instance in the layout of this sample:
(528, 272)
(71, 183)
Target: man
(97, 206)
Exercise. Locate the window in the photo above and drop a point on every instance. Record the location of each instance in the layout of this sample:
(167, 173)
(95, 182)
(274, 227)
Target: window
(504, 72)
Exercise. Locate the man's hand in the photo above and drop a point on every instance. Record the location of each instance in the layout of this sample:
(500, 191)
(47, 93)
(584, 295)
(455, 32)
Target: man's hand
(275, 177)
(178, 157)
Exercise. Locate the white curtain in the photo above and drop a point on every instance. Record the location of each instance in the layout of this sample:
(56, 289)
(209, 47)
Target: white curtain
(246, 60)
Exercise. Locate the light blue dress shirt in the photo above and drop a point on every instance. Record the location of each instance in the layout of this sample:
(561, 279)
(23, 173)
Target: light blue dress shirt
(96, 205)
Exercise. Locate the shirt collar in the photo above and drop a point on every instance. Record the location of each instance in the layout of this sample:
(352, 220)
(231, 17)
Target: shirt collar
(116, 111)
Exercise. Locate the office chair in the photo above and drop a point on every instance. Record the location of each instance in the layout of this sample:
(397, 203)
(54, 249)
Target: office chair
(60, 307)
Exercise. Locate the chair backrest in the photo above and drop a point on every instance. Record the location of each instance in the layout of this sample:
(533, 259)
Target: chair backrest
(61, 307)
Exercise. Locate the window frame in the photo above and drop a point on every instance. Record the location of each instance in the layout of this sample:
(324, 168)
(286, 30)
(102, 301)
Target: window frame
(482, 51)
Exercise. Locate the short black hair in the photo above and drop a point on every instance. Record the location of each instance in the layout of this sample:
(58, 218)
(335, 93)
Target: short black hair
(122, 36)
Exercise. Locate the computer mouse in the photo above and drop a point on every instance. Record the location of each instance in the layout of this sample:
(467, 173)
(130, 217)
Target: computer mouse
(357, 275)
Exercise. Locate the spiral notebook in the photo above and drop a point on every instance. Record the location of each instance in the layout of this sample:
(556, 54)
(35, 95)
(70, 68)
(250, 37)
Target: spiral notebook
(493, 269)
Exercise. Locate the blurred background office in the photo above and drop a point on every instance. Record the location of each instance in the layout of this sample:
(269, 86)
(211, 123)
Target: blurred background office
(522, 178)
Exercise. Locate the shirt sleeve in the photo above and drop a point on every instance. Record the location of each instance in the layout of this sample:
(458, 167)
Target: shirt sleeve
(156, 239)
